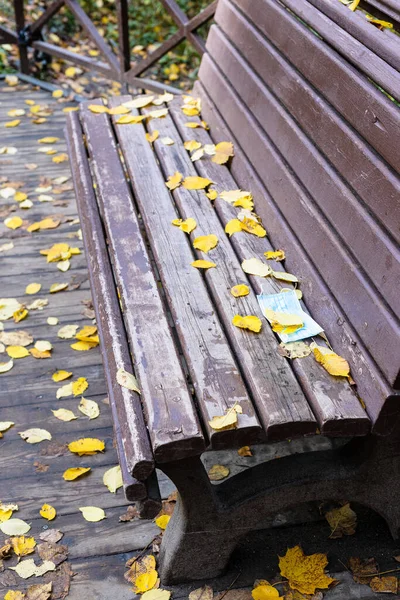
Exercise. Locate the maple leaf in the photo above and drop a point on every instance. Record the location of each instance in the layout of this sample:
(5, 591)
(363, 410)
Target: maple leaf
(305, 573)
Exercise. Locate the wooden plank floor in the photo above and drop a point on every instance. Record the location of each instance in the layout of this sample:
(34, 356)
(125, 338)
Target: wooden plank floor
(97, 551)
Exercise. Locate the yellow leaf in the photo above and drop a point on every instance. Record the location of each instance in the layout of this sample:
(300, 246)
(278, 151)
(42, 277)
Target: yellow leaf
(93, 514)
(277, 255)
(17, 352)
(6, 366)
(197, 155)
(75, 472)
(56, 252)
(265, 592)
(342, 521)
(227, 421)
(48, 140)
(245, 451)
(387, 585)
(5, 515)
(174, 180)
(83, 346)
(57, 94)
(40, 353)
(64, 391)
(167, 141)
(43, 346)
(33, 288)
(14, 595)
(212, 194)
(139, 102)
(98, 108)
(354, 5)
(250, 322)
(112, 479)
(240, 290)
(254, 266)
(70, 71)
(246, 203)
(87, 334)
(67, 332)
(86, 446)
(13, 222)
(192, 124)
(63, 265)
(187, 226)
(60, 158)
(190, 111)
(23, 545)
(253, 227)
(145, 582)
(79, 386)
(235, 196)
(119, 110)
(205, 243)
(14, 527)
(196, 183)
(223, 152)
(157, 114)
(20, 196)
(35, 435)
(151, 137)
(90, 408)
(192, 145)
(282, 276)
(139, 566)
(63, 414)
(8, 308)
(57, 287)
(305, 573)
(162, 521)
(385, 24)
(16, 112)
(26, 204)
(130, 119)
(156, 595)
(5, 426)
(14, 123)
(233, 226)
(61, 375)
(282, 322)
(68, 109)
(127, 380)
(203, 264)
(332, 362)
(218, 472)
(294, 349)
(20, 314)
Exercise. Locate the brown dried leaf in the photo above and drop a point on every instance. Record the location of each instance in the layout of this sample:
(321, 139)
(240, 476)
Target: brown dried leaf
(343, 521)
(50, 551)
(61, 579)
(40, 467)
(41, 591)
(388, 585)
(362, 569)
(51, 535)
(203, 593)
(131, 514)
(5, 551)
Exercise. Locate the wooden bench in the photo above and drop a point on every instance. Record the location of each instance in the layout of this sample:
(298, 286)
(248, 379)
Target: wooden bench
(316, 144)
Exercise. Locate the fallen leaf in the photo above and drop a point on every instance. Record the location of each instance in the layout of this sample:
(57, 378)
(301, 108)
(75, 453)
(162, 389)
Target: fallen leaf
(13, 222)
(265, 592)
(61, 376)
(130, 119)
(51, 535)
(192, 145)
(4, 426)
(84, 346)
(40, 467)
(14, 527)
(17, 351)
(252, 226)
(152, 137)
(40, 591)
(90, 408)
(13, 123)
(145, 582)
(283, 276)
(48, 512)
(93, 514)
(49, 140)
(363, 569)
(6, 366)
(14, 595)
(49, 551)
(98, 108)
(212, 194)
(86, 446)
(240, 290)
(6, 246)
(27, 568)
(203, 264)
(277, 255)
(227, 421)
(203, 593)
(282, 322)
(57, 287)
(223, 152)
(127, 380)
(167, 141)
(131, 514)
(34, 436)
(20, 314)
(8, 307)
(332, 362)
(205, 243)
(139, 566)
(79, 386)
(342, 521)
(254, 266)
(64, 391)
(174, 180)
(43, 346)
(304, 573)
(67, 332)
(250, 322)
(162, 521)
(218, 472)
(388, 585)
(5, 515)
(196, 183)
(112, 479)
(294, 350)
(197, 155)
(187, 226)
(245, 451)
(119, 110)
(139, 102)
(63, 414)
(75, 472)
(52, 321)
(156, 595)
(23, 545)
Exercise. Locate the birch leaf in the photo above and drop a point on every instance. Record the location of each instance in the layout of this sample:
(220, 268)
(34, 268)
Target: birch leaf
(197, 155)
(294, 349)
(5, 426)
(75, 472)
(277, 255)
(90, 408)
(332, 362)
(67, 332)
(13, 222)
(266, 592)
(84, 346)
(93, 514)
(227, 421)
(43, 345)
(48, 512)
(139, 102)
(203, 264)
(174, 180)
(6, 366)
(112, 479)
(145, 582)
(130, 119)
(282, 276)
(98, 108)
(250, 322)
(254, 266)
(162, 521)
(152, 137)
(14, 527)
(282, 322)
(5, 515)
(218, 472)
(196, 183)
(17, 352)
(61, 376)
(233, 226)
(223, 152)
(63, 414)
(14, 595)
(79, 386)
(64, 391)
(35, 435)
(8, 306)
(16, 338)
(119, 110)
(205, 243)
(167, 141)
(187, 226)
(240, 290)
(86, 446)
(156, 595)
(192, 145)
(157, 114)
(253, 227)
(127, 380)
(23, 545)
(57, 287)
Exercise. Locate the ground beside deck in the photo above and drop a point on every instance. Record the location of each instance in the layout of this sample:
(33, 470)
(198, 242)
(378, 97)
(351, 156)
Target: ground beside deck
(98, 551)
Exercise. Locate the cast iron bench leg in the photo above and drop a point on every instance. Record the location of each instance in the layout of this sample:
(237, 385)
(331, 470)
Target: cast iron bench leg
(206, 526)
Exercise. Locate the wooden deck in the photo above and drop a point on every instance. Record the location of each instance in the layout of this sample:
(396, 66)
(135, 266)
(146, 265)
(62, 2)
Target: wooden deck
(98, 551)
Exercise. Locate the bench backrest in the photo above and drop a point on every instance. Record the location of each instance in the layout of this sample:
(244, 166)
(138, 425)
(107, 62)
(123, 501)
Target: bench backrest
(307, 91)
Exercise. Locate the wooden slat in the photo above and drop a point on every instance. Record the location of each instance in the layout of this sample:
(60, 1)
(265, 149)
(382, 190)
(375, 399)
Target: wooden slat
(373, 115)
(389, 8)
(217, 382)
(372, 319)
(130, 429)
(278, 398)
(7, 36)
(73, 57)
(367, 243)
(171, 417)
(337, 408)
(366, 172)
(371, 386)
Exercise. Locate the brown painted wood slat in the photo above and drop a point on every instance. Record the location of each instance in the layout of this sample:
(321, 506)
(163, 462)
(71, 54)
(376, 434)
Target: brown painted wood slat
(369, 244)
(170, 413)
(135, 454)
(373, 115)
(337, 408)
(214, 371)
(381, 404)
(370, 177)
(280, 402)
(375, 325)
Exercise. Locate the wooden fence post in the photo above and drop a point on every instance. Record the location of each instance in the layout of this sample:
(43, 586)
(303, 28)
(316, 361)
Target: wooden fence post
(21, 32)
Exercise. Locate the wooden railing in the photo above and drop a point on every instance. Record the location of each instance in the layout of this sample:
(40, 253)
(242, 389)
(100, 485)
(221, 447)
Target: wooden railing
(113, 66)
